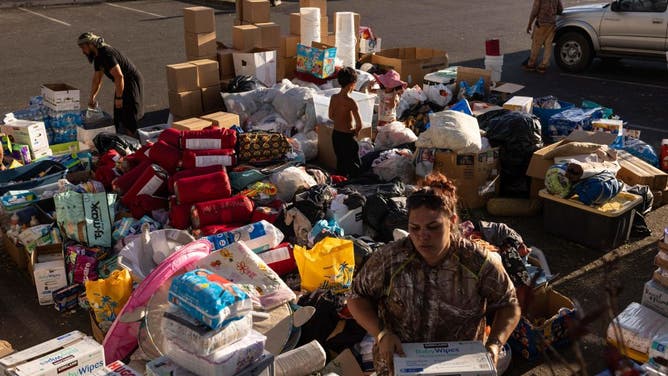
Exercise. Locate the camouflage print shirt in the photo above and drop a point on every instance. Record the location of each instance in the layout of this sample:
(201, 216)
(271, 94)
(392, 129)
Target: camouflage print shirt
(447, 302)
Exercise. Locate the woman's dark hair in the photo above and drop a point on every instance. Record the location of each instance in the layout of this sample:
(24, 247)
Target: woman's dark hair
(347, 76)
(436, 192)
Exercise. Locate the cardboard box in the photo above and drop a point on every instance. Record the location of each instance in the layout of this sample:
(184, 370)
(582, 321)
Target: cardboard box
(470, 172)
(49, 277)
(324, 26)
(200, 45)
(326, 155)
(521, 104)
(260, 63)
(315, 61)
(86, 136)
(185, 104)
(199, 20)
(270, 35)
(181, 77)
(444, 358)
(82, 357)
(42, 254)
(17, 253)
(635, 171)
(412, 63)
(289, 45)
(295, 24)
(225, 61)
(207, 72)
(344, 364)
(192, 124)
(223, 119)
(472, 76)
(357, 24)
(539, 165)
(5, 348)
(322, 4)
(26, 132)
(286, 68)
(256, 11)
(61, 97)
(212, 99)
(42, 153)
(10, 362)
(65, 148)
(655, 297)
(329, 40)
(245, 37)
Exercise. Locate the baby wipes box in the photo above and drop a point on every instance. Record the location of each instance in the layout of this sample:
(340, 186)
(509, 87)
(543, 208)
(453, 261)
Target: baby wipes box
(83, 357)
(444, 358)
(44, 348)
(116, 368)
(49, 277)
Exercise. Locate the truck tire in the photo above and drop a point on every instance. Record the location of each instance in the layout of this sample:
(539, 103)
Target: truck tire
(573, 52)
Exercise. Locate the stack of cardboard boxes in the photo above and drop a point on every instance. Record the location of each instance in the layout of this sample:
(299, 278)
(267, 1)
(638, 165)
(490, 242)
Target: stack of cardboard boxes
(655, 295)
(200, 33)
(194, 86)
(218, 119)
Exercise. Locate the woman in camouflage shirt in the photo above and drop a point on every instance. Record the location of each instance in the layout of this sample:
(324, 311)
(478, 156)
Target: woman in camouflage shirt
(433, 286)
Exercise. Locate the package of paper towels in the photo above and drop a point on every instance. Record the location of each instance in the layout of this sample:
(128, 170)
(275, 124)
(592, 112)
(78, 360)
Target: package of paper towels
(638, 325)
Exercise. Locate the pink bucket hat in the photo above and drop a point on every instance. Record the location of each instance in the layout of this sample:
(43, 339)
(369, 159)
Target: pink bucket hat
(390, 80)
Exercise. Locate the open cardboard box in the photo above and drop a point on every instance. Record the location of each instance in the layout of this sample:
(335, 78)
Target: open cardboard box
(539, 165)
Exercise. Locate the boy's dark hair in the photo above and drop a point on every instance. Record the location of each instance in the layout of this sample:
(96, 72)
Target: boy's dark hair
(347, 76)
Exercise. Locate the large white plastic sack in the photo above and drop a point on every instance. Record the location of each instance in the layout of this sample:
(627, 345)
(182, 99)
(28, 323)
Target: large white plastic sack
(409, 98)
(395, 163)
(241, 103)
(452, 130)
(288, 181)
(365, 147)
(439, 94)
(309, 144)
(273, 123)
(394, 134)
(291, 105)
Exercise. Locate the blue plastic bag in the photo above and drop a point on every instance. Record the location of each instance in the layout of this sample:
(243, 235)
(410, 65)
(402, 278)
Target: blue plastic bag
(640, 149)
(563, 123)
(462, 106)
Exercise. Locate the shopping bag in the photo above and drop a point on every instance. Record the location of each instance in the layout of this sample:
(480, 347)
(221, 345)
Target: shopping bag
(108, 296)
(329, 265)
(87, 218)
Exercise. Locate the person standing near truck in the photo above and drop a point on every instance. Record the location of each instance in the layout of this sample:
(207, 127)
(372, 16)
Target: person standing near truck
(542, 26)
(128, 81)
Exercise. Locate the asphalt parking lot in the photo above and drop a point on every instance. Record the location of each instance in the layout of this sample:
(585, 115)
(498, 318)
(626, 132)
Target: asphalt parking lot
(39, 46)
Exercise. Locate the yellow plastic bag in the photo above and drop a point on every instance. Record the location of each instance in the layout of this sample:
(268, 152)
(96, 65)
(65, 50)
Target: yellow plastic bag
(108, 296)
(329, 265)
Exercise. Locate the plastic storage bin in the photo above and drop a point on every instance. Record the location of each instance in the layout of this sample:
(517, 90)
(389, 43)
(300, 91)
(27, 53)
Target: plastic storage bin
(544, 114)
(602, 228)
(365, 102)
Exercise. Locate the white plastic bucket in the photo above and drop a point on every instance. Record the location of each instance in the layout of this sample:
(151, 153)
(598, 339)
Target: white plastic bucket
(494, 64)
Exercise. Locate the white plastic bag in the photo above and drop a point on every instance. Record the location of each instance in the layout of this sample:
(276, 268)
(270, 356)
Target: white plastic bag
(409, 98)
(394, 134)
(309, 144)
(291, 105)
(365, 147)
(288, 181)
(273, 123)
(241, 103)
(439, 94)
(452, 130)
(395, 163)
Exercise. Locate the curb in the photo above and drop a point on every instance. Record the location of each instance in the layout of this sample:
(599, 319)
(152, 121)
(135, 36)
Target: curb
(44, 3)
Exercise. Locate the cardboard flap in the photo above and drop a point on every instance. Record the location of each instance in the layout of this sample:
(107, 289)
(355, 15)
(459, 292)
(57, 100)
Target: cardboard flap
(593, 137)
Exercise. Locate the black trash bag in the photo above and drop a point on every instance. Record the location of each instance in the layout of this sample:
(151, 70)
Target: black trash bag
(242, 84)
(384, 215)
(322, 324)
(123, 144)
(518, 135)
(639, 227)
(363, 250)
(314, 202)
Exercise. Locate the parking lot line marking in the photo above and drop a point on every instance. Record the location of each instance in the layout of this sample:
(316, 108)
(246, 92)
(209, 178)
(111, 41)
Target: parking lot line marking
(136, 10)
(615, 81)
(43, 16)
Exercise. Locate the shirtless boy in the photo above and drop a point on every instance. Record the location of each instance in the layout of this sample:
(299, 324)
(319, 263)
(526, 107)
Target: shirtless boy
(342, 110)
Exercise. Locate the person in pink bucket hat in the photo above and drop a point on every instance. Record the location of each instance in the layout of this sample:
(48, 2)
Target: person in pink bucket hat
(391, 87)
